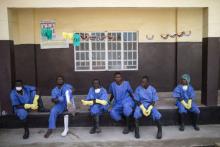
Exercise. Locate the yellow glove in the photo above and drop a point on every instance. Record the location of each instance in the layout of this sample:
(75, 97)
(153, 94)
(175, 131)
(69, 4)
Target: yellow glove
(30, 106)
(184, 104)
(69, 105)
(87, 102)
(189, 105)
(67, 36)
(27, 106)
(149, 109)
(34, 107)
(143, 110)
(102, 102)
(36, 98)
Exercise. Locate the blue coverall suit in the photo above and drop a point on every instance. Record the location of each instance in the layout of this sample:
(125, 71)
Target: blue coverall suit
(97, 109)
(123, 103)
(146, 97)
(179, 94)
(26, 98)
(59, 107)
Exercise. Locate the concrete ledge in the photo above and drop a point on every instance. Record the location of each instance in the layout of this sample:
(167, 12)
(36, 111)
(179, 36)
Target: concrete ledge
(209, 115)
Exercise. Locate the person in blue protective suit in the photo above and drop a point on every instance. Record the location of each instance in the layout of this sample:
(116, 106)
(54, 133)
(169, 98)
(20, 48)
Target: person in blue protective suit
(97, 99)
(145, 98)
(123, 104)
(184, 95)
(24, 98)
(58, 97)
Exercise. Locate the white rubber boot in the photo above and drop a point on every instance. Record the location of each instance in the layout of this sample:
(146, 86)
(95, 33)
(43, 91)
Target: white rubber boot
(66, 126)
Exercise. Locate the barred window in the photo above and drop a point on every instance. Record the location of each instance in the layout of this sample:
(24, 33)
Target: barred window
(107, 51)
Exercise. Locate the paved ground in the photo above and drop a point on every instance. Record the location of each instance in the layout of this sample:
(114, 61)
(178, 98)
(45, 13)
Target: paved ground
(112, 137)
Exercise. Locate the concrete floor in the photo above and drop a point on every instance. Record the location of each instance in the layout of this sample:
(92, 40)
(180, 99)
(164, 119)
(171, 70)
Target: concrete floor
(112, 137)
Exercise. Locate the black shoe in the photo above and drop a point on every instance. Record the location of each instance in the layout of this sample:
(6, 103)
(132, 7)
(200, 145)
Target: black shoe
(196, 127)
(93, 130)
(182, 127)
(98, 130)
(136, 130)
(195, 121)
(26, 129)
(97, 124)
(48, 133)
(26, 133)
(159, 130)
(127, 128)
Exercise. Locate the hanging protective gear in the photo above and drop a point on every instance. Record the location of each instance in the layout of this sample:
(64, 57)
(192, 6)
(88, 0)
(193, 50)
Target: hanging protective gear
(66, 125)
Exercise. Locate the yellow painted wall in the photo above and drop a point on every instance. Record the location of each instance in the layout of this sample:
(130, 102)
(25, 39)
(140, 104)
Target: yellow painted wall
(212, 6)
(149, 21)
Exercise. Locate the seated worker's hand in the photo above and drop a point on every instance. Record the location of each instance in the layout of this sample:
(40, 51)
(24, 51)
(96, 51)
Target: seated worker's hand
(30, 106)
(144, 110)
(27, 106)
(102, 102)
(184, 104)
(69, 105)
(55, 100)
(87, 103)
(149, 109)
(189, 104)
(36, 98)
(71, 108)
(34, 107)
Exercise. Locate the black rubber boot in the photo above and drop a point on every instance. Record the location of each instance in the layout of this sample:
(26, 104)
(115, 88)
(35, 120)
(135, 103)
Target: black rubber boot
(136, 130)
(98, 129)
(195, 121)
(26, 129)
(182, 127)
(93, 129)
(159, 129)
(48, 133)
(127, 126)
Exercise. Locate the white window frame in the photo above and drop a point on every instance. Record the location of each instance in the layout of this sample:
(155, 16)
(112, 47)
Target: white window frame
(106, 53)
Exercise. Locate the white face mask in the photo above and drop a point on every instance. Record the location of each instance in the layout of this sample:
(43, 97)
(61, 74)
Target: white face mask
(185, 87)
(18, 88)
(97, 90)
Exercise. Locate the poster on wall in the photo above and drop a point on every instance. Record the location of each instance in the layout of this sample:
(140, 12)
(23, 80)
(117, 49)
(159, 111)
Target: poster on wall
(48, 36)
(48, 29)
